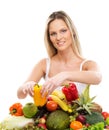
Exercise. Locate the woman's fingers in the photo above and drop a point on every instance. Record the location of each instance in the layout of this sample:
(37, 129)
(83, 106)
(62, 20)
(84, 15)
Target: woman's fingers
(47, 89)
(31, 91)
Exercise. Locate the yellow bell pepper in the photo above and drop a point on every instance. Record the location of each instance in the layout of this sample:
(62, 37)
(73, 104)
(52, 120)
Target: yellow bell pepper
(38, 99)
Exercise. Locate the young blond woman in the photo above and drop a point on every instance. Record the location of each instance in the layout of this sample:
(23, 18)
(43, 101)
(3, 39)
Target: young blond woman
(65, 62)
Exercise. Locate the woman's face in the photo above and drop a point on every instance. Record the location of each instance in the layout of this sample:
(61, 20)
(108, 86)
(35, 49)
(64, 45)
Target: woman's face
(60, 34)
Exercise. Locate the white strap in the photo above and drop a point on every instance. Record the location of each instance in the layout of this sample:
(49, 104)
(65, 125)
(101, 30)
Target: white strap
(81, 65)
(47, 67)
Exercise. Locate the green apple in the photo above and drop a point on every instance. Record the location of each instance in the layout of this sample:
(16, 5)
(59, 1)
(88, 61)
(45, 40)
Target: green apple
(30, 109)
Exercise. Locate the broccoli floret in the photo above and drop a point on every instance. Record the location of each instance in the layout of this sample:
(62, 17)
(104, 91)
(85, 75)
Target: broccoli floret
(94, 118)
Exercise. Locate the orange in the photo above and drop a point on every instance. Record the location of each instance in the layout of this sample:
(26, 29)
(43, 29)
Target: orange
(75, 125)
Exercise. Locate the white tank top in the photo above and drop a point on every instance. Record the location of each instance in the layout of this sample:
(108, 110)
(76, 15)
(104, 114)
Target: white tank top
(80, 86)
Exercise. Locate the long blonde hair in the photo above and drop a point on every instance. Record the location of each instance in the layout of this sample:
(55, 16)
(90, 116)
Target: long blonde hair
(75, 44)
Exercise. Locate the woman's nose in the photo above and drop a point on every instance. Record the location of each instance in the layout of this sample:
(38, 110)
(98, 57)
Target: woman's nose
(59, 36)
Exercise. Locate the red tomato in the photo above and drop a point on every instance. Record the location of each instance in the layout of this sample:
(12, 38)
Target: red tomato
(105, 115)
(51, 105)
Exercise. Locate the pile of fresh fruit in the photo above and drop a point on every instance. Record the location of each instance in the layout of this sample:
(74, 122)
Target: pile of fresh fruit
(63, 110)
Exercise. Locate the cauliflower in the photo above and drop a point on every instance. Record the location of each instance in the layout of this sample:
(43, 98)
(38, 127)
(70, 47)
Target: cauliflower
(12, 122)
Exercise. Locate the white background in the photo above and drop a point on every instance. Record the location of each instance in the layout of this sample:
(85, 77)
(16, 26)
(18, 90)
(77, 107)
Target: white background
(22, 25)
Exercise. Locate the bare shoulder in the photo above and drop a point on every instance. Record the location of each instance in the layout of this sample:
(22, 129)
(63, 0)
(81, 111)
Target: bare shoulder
(91, 65)
(40, 66)
(38, 71)
(42, 61)
(43, 65)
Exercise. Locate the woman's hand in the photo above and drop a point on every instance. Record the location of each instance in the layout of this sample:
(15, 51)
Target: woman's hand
(52, 83)
(26, 88)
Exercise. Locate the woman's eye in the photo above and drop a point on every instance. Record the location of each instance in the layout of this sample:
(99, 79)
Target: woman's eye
(63, 30)
(53, 34)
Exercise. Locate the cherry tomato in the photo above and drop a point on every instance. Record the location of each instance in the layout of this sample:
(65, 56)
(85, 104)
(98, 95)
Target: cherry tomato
(75, 125)
(105, 114)
(49, 98)
(51, 105)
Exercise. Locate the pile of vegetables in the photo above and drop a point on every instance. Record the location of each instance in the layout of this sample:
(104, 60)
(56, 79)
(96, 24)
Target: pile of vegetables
(63, 110)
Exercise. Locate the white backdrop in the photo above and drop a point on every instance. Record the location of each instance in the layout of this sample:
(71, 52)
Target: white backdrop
(22, 25)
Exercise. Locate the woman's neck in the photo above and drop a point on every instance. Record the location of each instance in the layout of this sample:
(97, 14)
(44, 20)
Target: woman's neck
(66, 56)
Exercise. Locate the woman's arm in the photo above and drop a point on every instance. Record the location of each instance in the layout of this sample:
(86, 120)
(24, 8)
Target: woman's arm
(90, 74)
(37, 73)
(87, 77)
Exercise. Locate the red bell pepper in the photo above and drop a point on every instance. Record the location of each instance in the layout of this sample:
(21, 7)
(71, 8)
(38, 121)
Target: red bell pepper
(67, 93)
(73, 90)
(70, 92)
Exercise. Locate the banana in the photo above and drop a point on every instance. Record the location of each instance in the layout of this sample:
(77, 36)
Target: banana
(59, 94)
(61, 103)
